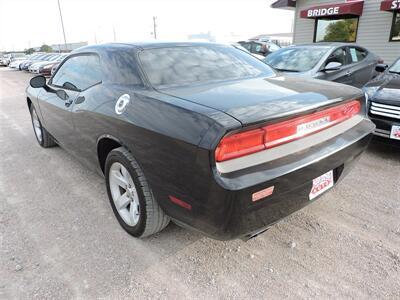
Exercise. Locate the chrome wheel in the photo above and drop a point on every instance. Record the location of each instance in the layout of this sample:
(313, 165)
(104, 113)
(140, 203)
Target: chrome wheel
(124, 194)
(36, 126)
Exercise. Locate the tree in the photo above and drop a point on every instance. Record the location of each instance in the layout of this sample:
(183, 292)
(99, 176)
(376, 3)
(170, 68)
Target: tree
(341, 31)
(46, 48)
(29, 51)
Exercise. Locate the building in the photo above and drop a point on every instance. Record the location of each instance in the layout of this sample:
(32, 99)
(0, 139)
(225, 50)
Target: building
(70, 46)
(374, 24)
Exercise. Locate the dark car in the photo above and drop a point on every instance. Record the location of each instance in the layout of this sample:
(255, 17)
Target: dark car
(46, 68)
(340, 62)
(203, 134)
(384, 101)
(259, 47)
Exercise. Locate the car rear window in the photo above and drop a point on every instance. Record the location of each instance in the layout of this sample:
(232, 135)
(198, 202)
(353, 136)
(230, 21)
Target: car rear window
(296, 59)
(185, 65)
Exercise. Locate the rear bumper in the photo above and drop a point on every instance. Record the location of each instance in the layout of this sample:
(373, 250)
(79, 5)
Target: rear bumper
(226, 210)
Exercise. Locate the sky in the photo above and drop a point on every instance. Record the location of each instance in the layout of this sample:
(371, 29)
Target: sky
(32, 23)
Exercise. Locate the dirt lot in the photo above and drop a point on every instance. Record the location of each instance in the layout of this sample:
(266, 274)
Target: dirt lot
(59, 238)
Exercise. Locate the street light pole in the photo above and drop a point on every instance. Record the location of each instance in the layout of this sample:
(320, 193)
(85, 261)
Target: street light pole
(62, 24)
(155, 27)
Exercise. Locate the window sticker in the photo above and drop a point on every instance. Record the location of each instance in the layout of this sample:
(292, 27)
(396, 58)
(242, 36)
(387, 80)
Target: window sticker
(353, 53)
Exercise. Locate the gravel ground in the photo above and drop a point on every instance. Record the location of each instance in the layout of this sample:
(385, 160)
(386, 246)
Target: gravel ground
(59, 238)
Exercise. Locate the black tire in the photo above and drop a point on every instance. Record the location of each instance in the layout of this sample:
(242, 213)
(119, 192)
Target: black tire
(45, 140)
(152, 218)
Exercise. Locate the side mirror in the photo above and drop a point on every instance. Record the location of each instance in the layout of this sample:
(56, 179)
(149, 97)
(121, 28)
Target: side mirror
(38, 82)
(62, 95)
(381, 68)
(332, 66)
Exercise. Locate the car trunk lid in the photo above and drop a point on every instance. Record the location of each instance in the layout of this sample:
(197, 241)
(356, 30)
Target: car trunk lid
(262, 99)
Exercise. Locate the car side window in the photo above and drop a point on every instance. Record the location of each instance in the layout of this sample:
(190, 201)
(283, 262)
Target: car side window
(257, 47)
(246, 46)
(357, 54)
(78, 73)
(339, 55)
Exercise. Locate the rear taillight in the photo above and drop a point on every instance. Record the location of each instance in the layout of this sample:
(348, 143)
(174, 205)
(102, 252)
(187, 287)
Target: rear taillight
(248, 142)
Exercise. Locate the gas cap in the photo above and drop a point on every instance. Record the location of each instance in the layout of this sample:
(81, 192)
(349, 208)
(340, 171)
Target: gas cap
(122, 103)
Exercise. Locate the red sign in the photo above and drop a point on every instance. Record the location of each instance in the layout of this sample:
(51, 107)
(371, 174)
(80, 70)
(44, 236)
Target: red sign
(390, 5)
(349, 8)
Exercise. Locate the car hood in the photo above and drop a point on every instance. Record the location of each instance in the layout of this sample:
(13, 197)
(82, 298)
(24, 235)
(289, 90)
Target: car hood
(261, 99)
(384, 88)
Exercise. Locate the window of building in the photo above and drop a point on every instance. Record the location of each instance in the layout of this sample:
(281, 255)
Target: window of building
(336, 30)
(395, 32)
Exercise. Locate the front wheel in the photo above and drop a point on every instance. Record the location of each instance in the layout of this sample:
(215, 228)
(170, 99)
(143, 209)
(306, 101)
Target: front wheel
(130, 196)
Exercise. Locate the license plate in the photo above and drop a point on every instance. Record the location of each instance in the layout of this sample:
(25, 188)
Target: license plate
(395, 133)
(321, 184)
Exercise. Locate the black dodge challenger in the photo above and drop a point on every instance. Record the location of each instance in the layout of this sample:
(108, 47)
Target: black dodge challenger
(203, 134)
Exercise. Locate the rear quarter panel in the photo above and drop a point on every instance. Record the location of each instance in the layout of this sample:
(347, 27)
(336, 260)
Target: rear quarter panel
(163, 133)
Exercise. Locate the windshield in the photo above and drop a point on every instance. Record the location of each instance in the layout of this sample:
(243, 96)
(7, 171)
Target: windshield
(296, 59)
(198, 64)
(395, 68)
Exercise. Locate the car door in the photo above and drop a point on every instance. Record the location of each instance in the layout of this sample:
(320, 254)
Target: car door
(86, 116)
(343, 75)
(56, 105)
(361, 68)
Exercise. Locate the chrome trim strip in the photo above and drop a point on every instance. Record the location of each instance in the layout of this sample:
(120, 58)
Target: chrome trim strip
(385, 114)
(287, 149)
(385, 106)
(385, 110)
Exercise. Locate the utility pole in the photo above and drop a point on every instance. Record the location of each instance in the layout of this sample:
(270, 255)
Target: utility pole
(62, 24)
(155, 28)
(115, 39)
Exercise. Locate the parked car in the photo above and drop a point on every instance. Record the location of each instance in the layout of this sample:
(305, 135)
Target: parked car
(35, 59)
(203, 134)
(14, 64)
(37, 66)
(5, 60)
(46, 69)
(340, 62)
(240, 47)
(384, 101)
(259, 47)
(54, 68)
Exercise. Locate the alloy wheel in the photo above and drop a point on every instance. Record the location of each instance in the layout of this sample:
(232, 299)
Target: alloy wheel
(124, 194)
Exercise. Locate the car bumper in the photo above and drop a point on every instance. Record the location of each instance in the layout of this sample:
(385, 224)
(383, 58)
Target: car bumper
(383, 126)
(227, 211)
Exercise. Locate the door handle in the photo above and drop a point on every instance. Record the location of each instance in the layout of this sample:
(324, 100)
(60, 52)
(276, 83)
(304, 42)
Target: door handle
(68, 102)
(80, 99)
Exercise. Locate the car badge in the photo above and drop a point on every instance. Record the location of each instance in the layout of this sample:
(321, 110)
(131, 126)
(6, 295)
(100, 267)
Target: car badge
(122, 103)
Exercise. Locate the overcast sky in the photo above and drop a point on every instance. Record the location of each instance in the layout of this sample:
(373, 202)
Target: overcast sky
(31, 23)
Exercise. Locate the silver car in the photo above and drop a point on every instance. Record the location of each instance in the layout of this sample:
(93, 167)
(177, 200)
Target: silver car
(340, 62)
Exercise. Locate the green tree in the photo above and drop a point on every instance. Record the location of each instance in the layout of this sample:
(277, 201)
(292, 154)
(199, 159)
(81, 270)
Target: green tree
(341, 31)
(46, 48)
(29, 51)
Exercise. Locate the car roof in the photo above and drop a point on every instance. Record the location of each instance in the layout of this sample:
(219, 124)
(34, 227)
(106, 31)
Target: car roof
(326, 44)
(143, 45)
